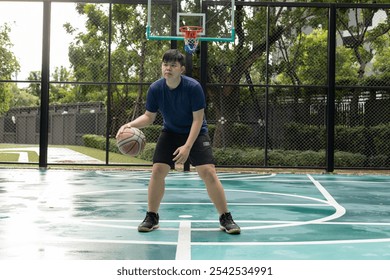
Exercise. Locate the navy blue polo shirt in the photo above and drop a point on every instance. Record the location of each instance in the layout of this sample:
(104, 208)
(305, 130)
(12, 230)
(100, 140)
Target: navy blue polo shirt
(177, 105)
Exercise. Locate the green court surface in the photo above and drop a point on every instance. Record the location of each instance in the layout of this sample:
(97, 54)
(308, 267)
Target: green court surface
(93, 215)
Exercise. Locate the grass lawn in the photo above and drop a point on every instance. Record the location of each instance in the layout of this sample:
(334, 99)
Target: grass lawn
(101, 155)
(5, 157)
(13, 156)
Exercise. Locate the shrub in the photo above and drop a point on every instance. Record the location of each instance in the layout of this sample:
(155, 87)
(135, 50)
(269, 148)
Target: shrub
(304, 137)
(292, 158)
(312, 158)
(350, 139)
(228, 156)
(152, 132)
(98, 142)
(240, 134)
(380, 139)
(346, 159)
(375, 161)
(373, 142)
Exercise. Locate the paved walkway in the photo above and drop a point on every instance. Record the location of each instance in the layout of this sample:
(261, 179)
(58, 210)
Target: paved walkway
(55, 155)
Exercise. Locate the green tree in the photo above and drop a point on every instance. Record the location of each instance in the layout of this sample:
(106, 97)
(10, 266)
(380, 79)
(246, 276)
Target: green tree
(381, 64)
(355, 26)
(9, 66)
(34, 87)
(135, 61)
(22, 98)
(131, 57)
(249, 57)
(88, 53)
(287, 26)
(62, 92)
(306, 59)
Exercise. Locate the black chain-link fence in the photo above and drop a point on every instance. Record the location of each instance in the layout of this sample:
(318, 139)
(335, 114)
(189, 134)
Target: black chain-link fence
(269, 94)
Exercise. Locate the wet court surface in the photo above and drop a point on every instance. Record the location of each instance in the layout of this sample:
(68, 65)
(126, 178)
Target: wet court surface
(93, 215)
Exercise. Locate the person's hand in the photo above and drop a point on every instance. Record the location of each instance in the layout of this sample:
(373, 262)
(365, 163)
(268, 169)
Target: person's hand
(122, 128)
(181, 154)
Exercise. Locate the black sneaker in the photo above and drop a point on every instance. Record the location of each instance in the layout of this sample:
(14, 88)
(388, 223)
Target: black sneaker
(150, 222)
(227, 224)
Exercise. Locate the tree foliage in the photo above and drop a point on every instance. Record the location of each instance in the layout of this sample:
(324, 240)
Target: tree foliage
(9, 66)
(297, 56)
(130, 57)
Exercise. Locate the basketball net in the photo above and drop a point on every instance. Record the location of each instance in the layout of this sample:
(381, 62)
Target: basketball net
(191, 38)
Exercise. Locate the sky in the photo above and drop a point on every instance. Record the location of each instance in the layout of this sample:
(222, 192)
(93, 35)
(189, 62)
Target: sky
(25, 20)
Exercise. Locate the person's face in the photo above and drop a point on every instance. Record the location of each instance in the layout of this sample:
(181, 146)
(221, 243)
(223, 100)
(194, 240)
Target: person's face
(171, 70)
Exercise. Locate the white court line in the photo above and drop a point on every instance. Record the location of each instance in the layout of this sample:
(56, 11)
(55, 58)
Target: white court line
(204, 190)
(340, 211)
(221, 177)
(205, 203)
(110, 241)
(293, 243)
(184, 239)
(281, 243)
(247, 177)
(183, 248)
(359, 183)
(191, 176)
(23, 157)
(98, 222)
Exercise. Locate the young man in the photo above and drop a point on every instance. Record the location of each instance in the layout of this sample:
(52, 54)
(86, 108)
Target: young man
(181, 101)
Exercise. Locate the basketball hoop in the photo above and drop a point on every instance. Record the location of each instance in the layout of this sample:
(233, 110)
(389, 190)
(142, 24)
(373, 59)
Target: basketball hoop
(191, 38)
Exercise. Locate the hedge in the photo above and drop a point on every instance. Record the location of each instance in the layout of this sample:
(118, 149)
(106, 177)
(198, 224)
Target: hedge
(371, 141)
(304, 147)
(255, 157)
(288, 158)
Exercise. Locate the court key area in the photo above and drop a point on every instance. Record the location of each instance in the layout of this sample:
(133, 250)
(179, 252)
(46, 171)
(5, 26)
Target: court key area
(93, 215)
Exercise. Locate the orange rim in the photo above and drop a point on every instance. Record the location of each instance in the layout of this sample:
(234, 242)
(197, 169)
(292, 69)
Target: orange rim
(191, 31)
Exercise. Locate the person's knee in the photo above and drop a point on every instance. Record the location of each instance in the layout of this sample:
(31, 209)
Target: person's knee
(160, 171)
(208, 174)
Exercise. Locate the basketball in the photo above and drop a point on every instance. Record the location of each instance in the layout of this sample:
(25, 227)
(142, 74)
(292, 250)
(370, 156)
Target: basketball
(131, 142)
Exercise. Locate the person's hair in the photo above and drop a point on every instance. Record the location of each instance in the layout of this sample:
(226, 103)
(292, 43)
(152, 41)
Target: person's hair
(174, 55)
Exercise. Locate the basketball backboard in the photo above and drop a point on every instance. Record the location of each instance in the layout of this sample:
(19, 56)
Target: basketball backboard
(165, 17)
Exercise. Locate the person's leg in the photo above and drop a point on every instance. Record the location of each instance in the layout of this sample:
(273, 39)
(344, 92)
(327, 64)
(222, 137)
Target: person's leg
(156, 186)
(214, 187)
(217, 195)
(162, 161)
(155, 194)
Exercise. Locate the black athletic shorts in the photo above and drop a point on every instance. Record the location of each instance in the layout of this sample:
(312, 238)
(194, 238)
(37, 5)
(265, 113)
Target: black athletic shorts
(201, 152)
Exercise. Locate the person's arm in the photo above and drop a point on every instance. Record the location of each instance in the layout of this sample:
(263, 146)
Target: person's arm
(181, 154)
(144, 120)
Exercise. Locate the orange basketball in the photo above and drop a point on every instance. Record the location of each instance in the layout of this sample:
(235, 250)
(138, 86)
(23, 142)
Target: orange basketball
(131, 141)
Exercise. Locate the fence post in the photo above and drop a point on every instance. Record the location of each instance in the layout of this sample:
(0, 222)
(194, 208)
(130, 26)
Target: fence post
(109, 88)
(331, 89)
(44, 108)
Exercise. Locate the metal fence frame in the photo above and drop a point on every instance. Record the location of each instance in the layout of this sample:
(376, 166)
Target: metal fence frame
(330, 87)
